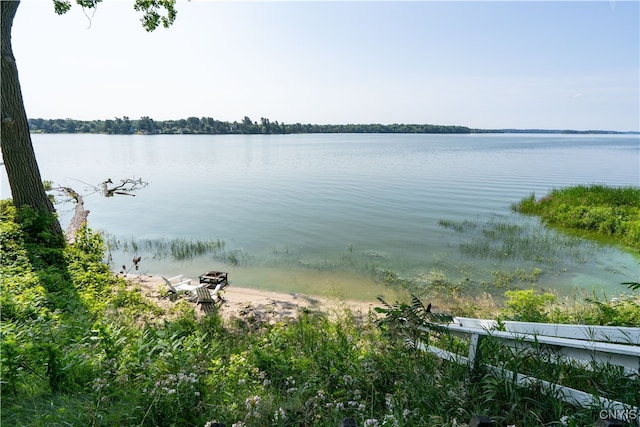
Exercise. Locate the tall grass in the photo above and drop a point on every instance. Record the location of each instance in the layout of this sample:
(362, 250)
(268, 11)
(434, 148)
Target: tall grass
(612, 212)
(541, 402)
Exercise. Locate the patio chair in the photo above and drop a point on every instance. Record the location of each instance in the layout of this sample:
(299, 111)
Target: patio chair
(215, 292)
(178, 284)
(205, 295)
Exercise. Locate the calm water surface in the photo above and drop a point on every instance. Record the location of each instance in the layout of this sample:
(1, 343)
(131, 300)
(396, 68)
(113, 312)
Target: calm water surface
(323, 213)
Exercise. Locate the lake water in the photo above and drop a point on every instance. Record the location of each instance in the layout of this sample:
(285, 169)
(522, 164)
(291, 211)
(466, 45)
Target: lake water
(328, 213)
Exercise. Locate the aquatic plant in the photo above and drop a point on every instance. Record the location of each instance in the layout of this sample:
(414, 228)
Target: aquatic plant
(601, 210)
(179, 249)
(459, 226)
(234, 257)
(503, 241)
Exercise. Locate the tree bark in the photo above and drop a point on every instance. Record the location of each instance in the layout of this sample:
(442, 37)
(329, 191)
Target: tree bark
(17, 150)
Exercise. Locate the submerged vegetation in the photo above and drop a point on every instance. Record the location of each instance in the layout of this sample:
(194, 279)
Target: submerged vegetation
(611, 212)
(500, 240)
(178, 249)
(80, 346)
(493, 255)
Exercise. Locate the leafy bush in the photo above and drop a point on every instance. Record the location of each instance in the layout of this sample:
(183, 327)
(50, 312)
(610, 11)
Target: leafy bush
(527, 306)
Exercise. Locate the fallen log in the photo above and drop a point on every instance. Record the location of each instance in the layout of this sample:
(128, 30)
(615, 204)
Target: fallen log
(80, 215)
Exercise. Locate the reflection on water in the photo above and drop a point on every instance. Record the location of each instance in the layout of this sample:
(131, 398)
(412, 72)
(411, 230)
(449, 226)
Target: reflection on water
(333, 213)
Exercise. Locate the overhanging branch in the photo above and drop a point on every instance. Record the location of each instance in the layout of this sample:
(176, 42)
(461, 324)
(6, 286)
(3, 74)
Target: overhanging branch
(126, 187)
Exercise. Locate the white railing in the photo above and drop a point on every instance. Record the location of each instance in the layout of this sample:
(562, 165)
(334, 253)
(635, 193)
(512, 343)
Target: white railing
(582, 344)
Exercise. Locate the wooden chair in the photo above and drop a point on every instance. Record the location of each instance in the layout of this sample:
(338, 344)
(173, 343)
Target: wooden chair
(178, 284)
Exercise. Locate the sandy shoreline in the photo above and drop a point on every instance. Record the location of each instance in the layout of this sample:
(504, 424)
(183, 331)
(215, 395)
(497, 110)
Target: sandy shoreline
(240, 301)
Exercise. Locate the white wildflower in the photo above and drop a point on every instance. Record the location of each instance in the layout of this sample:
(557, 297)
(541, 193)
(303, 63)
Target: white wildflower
(388, 402)
(390, 420)
(279, 415)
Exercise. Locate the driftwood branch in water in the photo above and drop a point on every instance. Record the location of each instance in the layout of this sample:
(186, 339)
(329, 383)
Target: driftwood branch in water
(125, 187)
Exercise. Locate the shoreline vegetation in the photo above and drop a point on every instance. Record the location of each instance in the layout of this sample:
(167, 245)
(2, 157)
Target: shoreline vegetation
(611, 213)
(210, 126)
(81, 345)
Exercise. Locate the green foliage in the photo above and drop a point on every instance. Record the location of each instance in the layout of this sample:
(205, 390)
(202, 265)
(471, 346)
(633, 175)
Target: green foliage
(633, 285)
(36, 226)
(613, 212)
(622, 311)
(154, 12)
(527, 305)
(410, 322)
(530, 306)
(61, 6)
(208, 125)
(504, 279)
(79, 346)
(133, 303)
(538, 361)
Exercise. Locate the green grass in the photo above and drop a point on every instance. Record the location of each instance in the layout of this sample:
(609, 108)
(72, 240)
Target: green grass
(80, 347)
(612, 212)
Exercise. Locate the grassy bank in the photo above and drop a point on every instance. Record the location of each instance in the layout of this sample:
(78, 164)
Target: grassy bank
(81, 347)
(610, 212)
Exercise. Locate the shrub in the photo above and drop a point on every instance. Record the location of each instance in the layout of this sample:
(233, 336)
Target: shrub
(527, 306)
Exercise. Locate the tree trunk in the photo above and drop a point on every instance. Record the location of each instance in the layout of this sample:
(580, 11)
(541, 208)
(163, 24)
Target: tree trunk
(17, 150)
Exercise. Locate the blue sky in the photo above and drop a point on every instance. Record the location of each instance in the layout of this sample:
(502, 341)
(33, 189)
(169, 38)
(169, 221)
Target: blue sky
(508, 64)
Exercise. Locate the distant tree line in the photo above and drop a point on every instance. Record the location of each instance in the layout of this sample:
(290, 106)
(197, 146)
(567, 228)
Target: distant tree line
(207, 125)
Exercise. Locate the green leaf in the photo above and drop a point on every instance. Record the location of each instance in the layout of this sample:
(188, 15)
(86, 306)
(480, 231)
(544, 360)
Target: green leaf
(635, 286)
(61, 6)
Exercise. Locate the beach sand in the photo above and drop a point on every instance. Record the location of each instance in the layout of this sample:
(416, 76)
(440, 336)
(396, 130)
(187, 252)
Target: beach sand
(242, 302)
